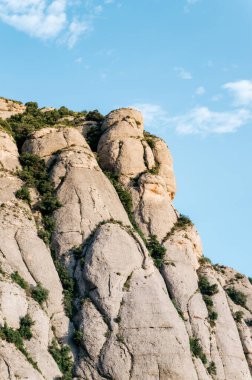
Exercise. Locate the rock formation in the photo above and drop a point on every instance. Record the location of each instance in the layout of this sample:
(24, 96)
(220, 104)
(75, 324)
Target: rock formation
(100, 277)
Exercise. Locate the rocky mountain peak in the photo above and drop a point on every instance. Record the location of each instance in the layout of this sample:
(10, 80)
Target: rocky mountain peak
(100, 276)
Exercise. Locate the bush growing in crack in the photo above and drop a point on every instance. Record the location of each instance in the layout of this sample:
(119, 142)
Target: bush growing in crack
(182, 224)
(15, 276)
(61, 355)
(126, 200)
(212, 369)
(197, 350)
(205, 260)
(93, 137)
(156, 250)
(16, 337)
(207, 290)
(238, 315)
(39, 293)
(78, 337)
(237, 296)
(25, 327)
(68, 284)
(24, 194)
(35, 174)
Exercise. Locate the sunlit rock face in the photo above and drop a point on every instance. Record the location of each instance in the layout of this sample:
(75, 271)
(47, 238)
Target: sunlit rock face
(9, 108)
(128, 288)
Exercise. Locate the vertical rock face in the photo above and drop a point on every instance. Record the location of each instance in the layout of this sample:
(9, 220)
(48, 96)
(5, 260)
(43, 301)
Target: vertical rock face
(144, 165)
(183, 319)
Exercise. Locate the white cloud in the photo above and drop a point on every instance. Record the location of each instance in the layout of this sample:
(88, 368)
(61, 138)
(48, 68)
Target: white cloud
(183, 73)
(200, 90)
(35, 17)
(154, 115)
(51, 19)
(201, 120)
(242, 92)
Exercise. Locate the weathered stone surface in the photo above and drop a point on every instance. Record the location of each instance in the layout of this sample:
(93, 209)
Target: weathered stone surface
(164, 161)
(227, 336)
(13, 364)
(153, 210)
(9, 108)
(122, 148)
(86, 195)
(132, 297)
(8, 152)
(47, 141)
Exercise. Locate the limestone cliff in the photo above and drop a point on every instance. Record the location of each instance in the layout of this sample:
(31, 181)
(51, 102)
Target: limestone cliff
(100, 277)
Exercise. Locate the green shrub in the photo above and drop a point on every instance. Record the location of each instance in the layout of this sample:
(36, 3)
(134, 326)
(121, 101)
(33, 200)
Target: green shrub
(157, 251)
(182, 223)
(78, 337)
(45, 236)
(93, 137)
(95, 116)
(213, 316)
(15, 276)
(35, 174)
(123, 194)
(238, 315)
(68, 285)
(208, 301)
(62, 356)
(154, 170)
(212, 369)
(14, 336)
(205, 260)
(150, 140)
(237, 296)
(126, 200)
(250, 279)
(197, 350)
(24, 194)
(206, 288)
(39, 294)
(48, 204)
(239, 276)
(25, 327)
(118, 319)
(248, 322)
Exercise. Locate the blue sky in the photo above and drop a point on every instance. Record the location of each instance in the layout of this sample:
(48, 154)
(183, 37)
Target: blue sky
(185, 63)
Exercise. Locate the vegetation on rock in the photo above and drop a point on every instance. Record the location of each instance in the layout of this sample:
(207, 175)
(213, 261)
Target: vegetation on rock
(182, 223)
(197, 350)
(15, 276)
(62, 356)
(39, 294)
(156, 250)
(207, 290)
(237, 296)
(16, 337)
